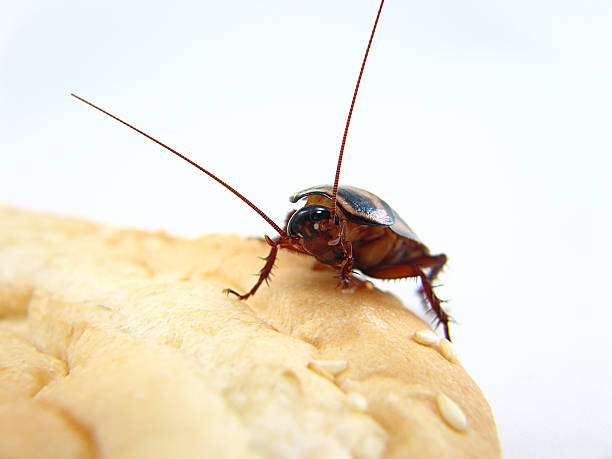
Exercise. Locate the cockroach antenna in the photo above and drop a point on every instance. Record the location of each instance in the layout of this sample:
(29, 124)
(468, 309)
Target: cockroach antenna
(348, 120)
(193, 163)
(382, 245)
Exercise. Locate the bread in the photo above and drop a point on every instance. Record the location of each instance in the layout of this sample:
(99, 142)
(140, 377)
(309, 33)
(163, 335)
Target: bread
(121, 344)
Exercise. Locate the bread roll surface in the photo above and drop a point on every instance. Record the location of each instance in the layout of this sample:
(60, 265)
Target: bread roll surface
(121, 343)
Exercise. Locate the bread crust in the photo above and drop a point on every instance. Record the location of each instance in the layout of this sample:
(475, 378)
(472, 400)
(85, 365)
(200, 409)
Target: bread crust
(123, 345)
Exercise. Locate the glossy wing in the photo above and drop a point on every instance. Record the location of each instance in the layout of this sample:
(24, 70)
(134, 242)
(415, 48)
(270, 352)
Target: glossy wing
(359, 206)
(401, 227)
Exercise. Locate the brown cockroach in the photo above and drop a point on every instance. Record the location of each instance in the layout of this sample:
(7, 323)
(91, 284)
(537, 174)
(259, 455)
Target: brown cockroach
(344, 227)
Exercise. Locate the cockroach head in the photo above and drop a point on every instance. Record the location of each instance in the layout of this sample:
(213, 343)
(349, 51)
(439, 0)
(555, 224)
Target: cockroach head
(308, 221)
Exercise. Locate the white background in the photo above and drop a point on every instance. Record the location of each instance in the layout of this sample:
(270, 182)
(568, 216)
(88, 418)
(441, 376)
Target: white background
(486, 125)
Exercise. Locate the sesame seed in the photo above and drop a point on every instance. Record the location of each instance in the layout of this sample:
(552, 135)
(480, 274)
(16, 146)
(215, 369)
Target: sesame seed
(333, 367)
(370, 447)
(448, 350)
(451, 413)
(320, 371)
(356, 401)
(425, 337)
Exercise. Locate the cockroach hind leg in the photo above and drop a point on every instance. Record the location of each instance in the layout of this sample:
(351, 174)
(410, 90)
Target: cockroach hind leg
(414, 270)
(447, 331)
(433, 301)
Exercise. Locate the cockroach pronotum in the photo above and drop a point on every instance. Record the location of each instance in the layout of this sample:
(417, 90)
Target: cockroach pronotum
(344, 227)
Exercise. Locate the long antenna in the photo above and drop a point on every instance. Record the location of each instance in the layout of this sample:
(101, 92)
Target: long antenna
(348, 120)
(211, 175)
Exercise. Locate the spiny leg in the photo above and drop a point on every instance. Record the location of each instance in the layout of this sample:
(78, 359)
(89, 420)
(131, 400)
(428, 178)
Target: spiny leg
(434, 301)
(345, 276)
(414, 270)
(437, 263)
(353, 283)
(348, 281)
(265, 271)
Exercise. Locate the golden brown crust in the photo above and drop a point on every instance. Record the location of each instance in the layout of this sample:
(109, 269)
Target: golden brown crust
(123, 345)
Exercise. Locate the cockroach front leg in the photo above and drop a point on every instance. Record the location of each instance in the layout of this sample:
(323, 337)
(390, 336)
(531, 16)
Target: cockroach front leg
(265, 271)
(348, 281)
(346, 277)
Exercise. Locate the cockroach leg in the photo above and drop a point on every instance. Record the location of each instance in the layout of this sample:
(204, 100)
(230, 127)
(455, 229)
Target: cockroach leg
(265, 271)
(354, 283)
(436, 262)
(348, 281)
(434, 301)
(346, 277)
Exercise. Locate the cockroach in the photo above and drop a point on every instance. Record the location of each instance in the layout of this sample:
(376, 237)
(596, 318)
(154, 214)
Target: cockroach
(344, 227)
